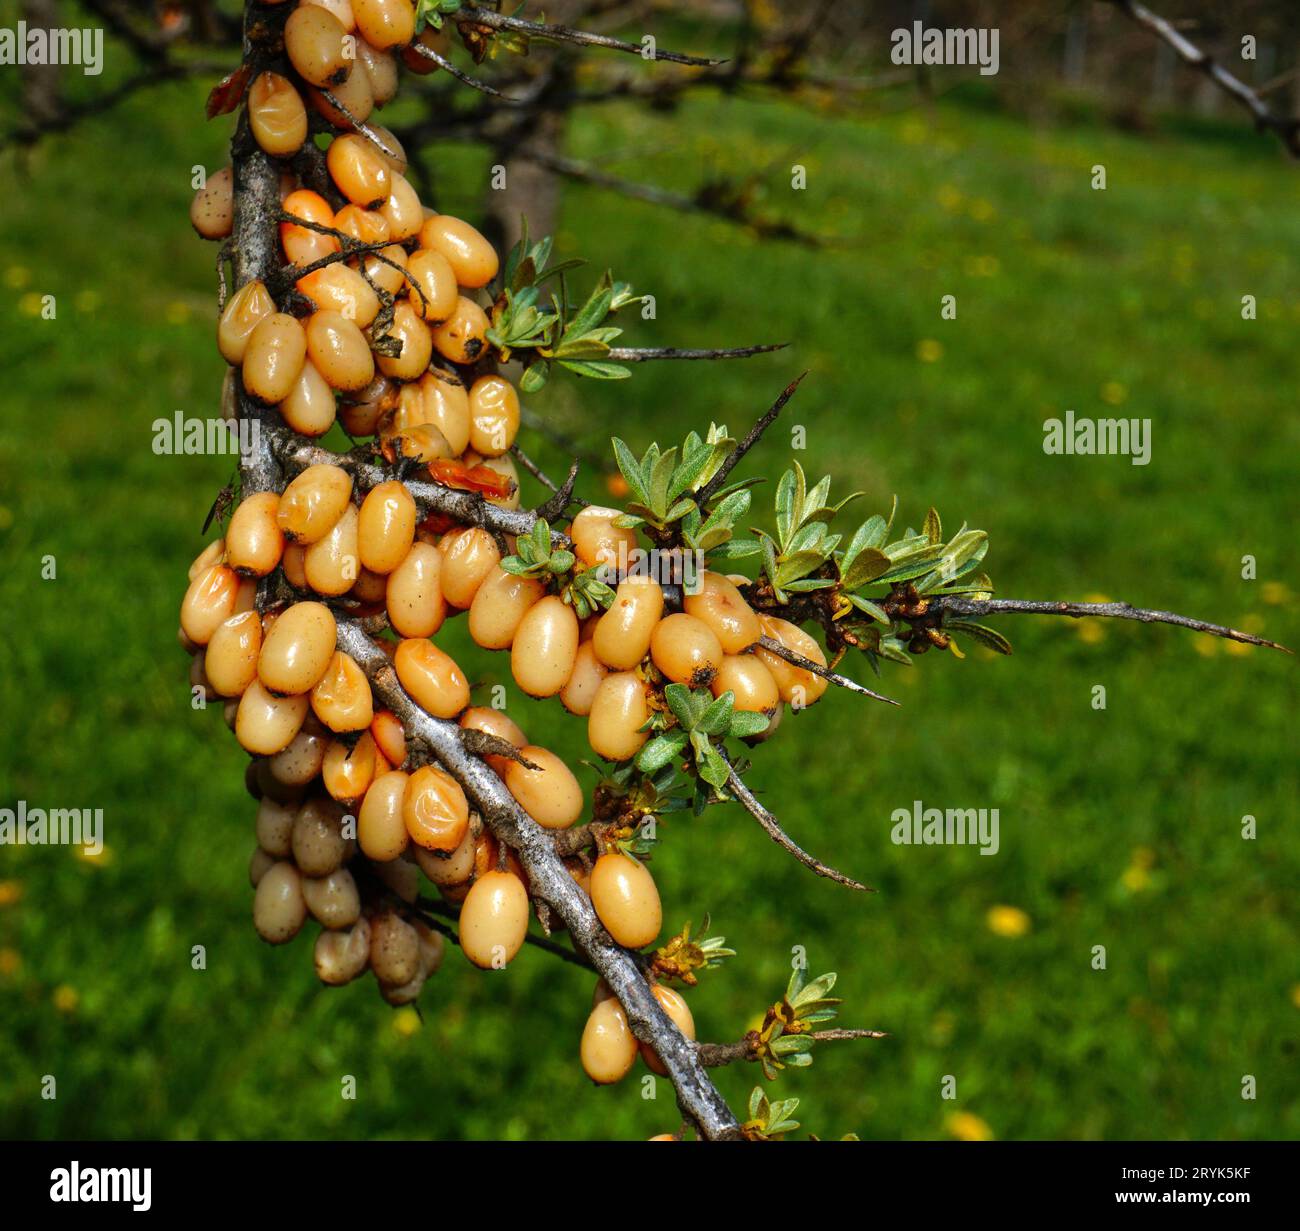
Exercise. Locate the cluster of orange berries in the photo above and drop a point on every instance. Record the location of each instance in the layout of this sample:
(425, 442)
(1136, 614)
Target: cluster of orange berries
(393, 345)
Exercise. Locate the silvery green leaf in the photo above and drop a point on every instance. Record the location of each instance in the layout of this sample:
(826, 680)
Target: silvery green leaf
(786, 494)
(541, 539)
(717, 717)
(631, 470)
(808, 583)
(657, 484)
(909, 546)
(691, 467)
(660, 751)
(933, 526)
(792, 1045)
(628, 521)
(868, 564)
(561, 561)
(981, 633)
(893, 649)
(736, 549)
(715, 770)
(799, 564)
(870, 608)
(679, 701)
(816, 990)
(746, 723)
(595, 369)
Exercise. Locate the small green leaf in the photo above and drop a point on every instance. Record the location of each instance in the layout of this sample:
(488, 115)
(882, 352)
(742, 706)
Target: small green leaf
(631, 470)
(660, 751)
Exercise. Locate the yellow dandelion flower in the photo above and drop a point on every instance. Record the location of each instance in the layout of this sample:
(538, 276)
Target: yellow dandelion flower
(97, 859)
(1113, 393)
(17, 277)
(1008, 921)
(177, 312)
(914, 132)
(406, 1022)
(1295, 991)
(66, 998)
(1274, 593)
(928, 350)
(1205, 645)
(1096, 598)
(1237, 648)
(31, 304)
(949, 197)
(86, 301)
(11, 893)
(967, 1126)
(982, 210)
(1135, 879)
(1091, 632)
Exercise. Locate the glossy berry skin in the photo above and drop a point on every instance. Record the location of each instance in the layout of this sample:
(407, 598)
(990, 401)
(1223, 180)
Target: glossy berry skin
(625, 897)
(686, 650)
(432, 677)
(550, 794)
(596, 540)
(623, 633)
(494, 920)
(462, 337)
(608, 1049)
(212, 213)
(341, 698)
(618, 712)
(545, 647)
(723, 608)
(472, 258)
(468, 558)
(381, 826)
(797, 686)
(414, 598)
(314, 40)
(313, 503)
(500, 603)
(494, 415)
(435, 810)
(386, 528)
(273, 358)
(265, 723)
(279, 910)
(579, 692)
(750, 681)
(298, 648)
(679, 1013)
(231, 659)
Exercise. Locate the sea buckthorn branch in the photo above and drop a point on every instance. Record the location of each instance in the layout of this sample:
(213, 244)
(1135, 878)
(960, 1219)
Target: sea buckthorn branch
(1286, 128)
(493, 21)
(550, 880)
(466, 507)
(643, 354)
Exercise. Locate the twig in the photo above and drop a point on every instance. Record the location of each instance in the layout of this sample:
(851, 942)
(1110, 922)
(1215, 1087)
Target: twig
(1115, 611)
(639, 354)
(464, 78)
(755, 432)
(714, 1055)
(557, 504)
(808, 664)
(467, 507)
(744, 796)
(564, 34)
(1287, 129)
(549, 879)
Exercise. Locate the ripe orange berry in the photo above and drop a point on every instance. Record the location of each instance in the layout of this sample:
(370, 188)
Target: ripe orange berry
(746, 676)
(462, 337)
(433, 679)
(341, 698)
(451, 868)
(494, 415)
(545, 647)
(312, 504)
(382, 272)
(417, 345)
(468, 558)
(723, 608)
(381, 828)
(608, 1048)
(494, 920)
(686, 650)
(434, 810)
(380, 68)
(797, 686)
(434, 292)
(332, 564)
(596, 540)
(494, 722)
(623, 635)
(394, 949)
(265, 723)
(316, 43)
(402, 209)
(625, 897)
(212, 212)
(446, 404)
(680, 1014)
(349, 771)
(297, 649)
(354, 97)
(301, 244)
(339, 288)
(416, 607)
(273, 358)
(386, 528)
(500, 603)
(473, 259)
(618, 713)
(550, 794)
(209, 601)
(276, 115)
(339, 350)
(385, 23)
(241, 315)
(360, 171)
(366, 226)
(309, 409)
(231, 658)
(588, 671)
(389, 736)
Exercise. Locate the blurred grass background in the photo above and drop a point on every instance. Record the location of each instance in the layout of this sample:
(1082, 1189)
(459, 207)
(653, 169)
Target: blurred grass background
(1118, 828)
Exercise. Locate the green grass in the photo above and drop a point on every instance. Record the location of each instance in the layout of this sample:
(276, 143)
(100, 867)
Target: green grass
(1118, 827)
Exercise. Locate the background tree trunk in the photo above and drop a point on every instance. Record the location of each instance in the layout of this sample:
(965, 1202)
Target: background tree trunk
(41, 83)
